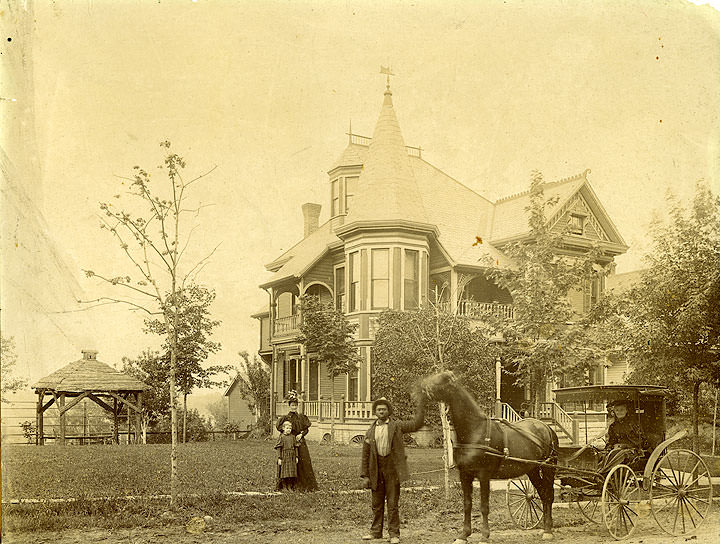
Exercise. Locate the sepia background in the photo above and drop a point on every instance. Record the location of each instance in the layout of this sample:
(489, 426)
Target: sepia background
(266, 92)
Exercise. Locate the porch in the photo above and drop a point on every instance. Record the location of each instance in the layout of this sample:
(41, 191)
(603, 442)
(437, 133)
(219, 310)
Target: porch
(477, 310)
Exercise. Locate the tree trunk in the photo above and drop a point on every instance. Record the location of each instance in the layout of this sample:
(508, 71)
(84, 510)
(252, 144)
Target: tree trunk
(184, 417)
(696, 417)
(332, 409)
(447, 446)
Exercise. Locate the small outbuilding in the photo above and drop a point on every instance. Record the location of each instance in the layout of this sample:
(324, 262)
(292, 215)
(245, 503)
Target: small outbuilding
(92, 379)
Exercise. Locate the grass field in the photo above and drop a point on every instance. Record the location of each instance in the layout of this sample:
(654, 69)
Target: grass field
(203, 468)
(206, 471)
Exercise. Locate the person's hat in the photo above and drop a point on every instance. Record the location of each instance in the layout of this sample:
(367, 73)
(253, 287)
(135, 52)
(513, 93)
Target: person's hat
(625, 402)
(292, 396)
(382, 400)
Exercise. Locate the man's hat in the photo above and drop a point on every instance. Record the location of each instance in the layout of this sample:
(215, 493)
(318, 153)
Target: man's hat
(382, 400)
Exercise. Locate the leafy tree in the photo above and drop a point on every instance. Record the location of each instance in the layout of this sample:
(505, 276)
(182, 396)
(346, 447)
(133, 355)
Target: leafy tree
(151, 367)
(194, 344)
(668, 325)
(328, 333)
(218, 412)
(151, 222)
(407, 348)
(254, 384)
(543, 339)
(8, 360)
(409, 345)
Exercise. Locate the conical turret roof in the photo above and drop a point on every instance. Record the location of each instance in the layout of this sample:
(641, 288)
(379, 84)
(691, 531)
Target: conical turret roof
(387, 189)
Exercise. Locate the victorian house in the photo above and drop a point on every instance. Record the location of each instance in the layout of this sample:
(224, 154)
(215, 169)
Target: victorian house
(398, 227)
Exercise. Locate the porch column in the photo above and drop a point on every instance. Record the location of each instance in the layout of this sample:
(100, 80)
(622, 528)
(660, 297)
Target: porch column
(454, 295)
(498, 385)
(304, 371)
(273, 386)
(116, 438)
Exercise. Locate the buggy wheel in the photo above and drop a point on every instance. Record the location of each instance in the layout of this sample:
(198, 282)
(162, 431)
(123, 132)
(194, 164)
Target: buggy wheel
(589, 508)
(357, 440)
(524, 503)
(619, 501)
(681, 492)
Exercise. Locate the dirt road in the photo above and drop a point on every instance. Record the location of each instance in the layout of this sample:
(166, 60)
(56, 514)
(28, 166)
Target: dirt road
(414, 531)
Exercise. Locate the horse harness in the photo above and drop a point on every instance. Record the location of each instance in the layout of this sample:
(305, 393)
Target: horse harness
(505, 453)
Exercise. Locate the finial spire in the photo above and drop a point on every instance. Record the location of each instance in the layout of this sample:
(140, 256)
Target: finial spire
(387, 70)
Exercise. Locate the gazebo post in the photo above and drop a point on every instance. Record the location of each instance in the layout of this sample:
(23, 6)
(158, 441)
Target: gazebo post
(116, 438)
(39, 418)
(138, 418)
(128, 395)
(61, 407)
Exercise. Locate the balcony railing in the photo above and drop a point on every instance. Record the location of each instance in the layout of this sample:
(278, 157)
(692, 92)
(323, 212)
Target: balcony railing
(286, 325)
(473, 309)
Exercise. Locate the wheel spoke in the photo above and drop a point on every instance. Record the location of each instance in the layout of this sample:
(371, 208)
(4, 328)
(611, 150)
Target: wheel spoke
(702, 516)
(672, 470)
(515, 514)
(689, 513)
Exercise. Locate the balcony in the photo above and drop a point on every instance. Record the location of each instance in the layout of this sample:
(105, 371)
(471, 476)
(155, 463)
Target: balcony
(285, 326)
(477, 310)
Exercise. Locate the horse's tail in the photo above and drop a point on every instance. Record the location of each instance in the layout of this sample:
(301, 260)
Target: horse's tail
(554, 444)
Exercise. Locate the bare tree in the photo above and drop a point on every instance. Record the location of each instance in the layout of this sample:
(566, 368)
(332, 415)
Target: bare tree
(154, 232)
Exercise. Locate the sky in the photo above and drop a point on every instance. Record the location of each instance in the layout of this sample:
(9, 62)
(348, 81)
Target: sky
(264, 92)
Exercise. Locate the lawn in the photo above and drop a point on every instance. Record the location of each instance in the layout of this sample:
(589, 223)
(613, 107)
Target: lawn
(206, 470)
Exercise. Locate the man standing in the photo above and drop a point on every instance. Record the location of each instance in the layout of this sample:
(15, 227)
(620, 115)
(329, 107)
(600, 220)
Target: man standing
(384, 466)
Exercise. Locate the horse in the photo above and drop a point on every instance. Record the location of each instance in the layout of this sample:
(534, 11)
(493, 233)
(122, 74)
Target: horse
(484, 446)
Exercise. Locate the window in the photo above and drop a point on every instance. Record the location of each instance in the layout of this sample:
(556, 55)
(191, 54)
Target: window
(411, 277)
(354, 279)
(353, 385)
(380, 283)
(340, 289)
(334, 198)
(350, 189)
(577, 223)
(596, 287)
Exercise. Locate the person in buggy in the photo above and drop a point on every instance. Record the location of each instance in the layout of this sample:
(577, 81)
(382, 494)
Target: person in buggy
(624, 437)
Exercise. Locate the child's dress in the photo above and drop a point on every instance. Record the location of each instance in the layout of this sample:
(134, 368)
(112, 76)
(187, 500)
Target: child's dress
(287, 455)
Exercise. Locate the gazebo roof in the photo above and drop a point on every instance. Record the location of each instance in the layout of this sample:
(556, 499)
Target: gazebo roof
(89, 374)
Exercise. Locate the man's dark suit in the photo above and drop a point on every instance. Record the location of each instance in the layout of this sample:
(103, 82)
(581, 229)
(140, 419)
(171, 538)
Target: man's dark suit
(386, 473)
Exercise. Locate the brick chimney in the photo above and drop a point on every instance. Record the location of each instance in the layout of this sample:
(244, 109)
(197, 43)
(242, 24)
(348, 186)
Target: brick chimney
(311, 217)
(89, 354)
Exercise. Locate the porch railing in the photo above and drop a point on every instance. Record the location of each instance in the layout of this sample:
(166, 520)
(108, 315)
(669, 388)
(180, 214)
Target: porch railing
(320, 410)
(507, 412)
(553, 411)
(471, 308)
(287, 324)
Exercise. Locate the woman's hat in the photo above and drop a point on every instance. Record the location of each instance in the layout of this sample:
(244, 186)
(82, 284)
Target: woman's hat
(625, 402)
(382, 400)
(292, 396)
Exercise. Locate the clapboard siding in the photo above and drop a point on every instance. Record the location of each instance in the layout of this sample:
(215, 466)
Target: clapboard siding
(321, 271)
(616, 373)
(238, 411)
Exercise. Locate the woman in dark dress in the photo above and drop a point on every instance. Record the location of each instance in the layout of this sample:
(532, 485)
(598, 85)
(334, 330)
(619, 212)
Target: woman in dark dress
(300, 426)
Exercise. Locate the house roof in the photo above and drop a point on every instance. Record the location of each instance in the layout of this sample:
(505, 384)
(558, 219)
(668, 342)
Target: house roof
(511, 219)
(403, 188)
(89, 375)
(303, 255)
(387, 189)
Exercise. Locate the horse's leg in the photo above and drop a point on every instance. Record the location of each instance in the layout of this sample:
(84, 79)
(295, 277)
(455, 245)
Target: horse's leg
(543, 480)
(485, 506)
(466, 480)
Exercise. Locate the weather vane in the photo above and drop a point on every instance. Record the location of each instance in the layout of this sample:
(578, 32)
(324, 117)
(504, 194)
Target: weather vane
(387, 70)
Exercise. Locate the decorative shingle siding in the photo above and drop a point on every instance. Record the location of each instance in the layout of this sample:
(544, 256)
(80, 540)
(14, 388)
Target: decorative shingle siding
(321, 271)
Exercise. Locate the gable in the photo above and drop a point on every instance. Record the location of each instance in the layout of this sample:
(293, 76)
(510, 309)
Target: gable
(578, 206)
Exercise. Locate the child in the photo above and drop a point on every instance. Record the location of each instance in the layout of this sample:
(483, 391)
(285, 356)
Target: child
(287, 458)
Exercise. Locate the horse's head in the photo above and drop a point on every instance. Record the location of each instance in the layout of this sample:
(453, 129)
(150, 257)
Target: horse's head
(439, 386)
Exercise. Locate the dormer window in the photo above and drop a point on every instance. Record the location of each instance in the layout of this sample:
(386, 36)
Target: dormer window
(334, 197)
(577, 223)
(350, 189)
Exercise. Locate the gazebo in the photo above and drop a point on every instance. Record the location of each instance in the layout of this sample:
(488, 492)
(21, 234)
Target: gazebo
(92, 379)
